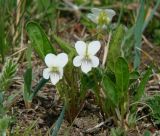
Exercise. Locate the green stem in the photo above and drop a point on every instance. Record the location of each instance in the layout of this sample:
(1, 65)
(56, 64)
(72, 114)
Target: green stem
(41, 83)
(121, 12)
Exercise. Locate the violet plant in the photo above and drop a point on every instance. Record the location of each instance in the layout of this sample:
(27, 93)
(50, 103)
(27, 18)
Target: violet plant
(111, 82)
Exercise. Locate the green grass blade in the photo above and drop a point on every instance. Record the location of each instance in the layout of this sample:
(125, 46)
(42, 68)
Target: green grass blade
(58, 123)
(3, 45)
(151, 15)
(138, 34)
(141, 88)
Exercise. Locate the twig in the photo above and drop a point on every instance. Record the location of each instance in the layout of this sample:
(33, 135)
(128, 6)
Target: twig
(145, 53)
(106, 50)
(98, 126)
(18, 51)
(147, 41)
(143, 117)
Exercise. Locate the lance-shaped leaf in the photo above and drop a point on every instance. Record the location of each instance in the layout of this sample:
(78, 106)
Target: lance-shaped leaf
(66, 47)
(115, 47)
(54, 131)
(141, 87)
(39, 40)
(122, 74)
(27, 84)
(110, 90)
(138, 29)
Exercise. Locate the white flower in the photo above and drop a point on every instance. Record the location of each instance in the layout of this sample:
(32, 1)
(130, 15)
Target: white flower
(55, 66)
(102, 17)
(86, 55)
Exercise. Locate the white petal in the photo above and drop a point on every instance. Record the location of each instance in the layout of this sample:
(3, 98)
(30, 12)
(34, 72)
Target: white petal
(46, 73)
(96, 11)
(86, 67)
(93, 17)
(95, 61)
(54, 78)
(49, 59)
(94, 47)
(80, 47)
(61, 59)
(110, 13)
(77, 61)
(60, 73)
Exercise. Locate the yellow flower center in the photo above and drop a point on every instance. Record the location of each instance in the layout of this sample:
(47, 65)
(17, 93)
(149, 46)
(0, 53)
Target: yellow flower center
(103, 18)
(54, 70)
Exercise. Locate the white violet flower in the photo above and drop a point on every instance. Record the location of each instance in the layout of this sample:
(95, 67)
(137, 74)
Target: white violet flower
(55, 64)
(86, 55)
(101, 17)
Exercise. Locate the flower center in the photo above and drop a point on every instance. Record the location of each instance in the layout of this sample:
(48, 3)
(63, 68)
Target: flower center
(55, 70)
(86, 55)
(86, 60)
(103, 18)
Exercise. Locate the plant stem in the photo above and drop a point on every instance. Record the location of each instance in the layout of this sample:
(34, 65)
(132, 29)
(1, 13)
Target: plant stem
(41, 83)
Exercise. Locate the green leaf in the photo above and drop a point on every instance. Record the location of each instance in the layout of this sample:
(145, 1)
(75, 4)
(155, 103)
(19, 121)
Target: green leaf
(4, 123)
(90, 81)
(27, 84)
(115, 47)
(41, 83)
(3, 38)
(58, 123)
(141, 87)
(28, 78)
(39, 40)
(151, 14)
(110, 89)
(147, 133)
(154, 103)
(138, 34)
(66, 47)
(1, 97)
(122, 74)
(134, 75)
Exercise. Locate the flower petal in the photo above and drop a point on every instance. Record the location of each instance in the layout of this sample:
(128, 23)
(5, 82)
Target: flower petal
(94, 47)
(80, 47)
(96, 11)
(93, 17)
(54, 78)
(61, 59)
(46, 73)
(110, 13)
(60, 73)
(95, 61)
(49, 59)
(86, 67)
(77, 61)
